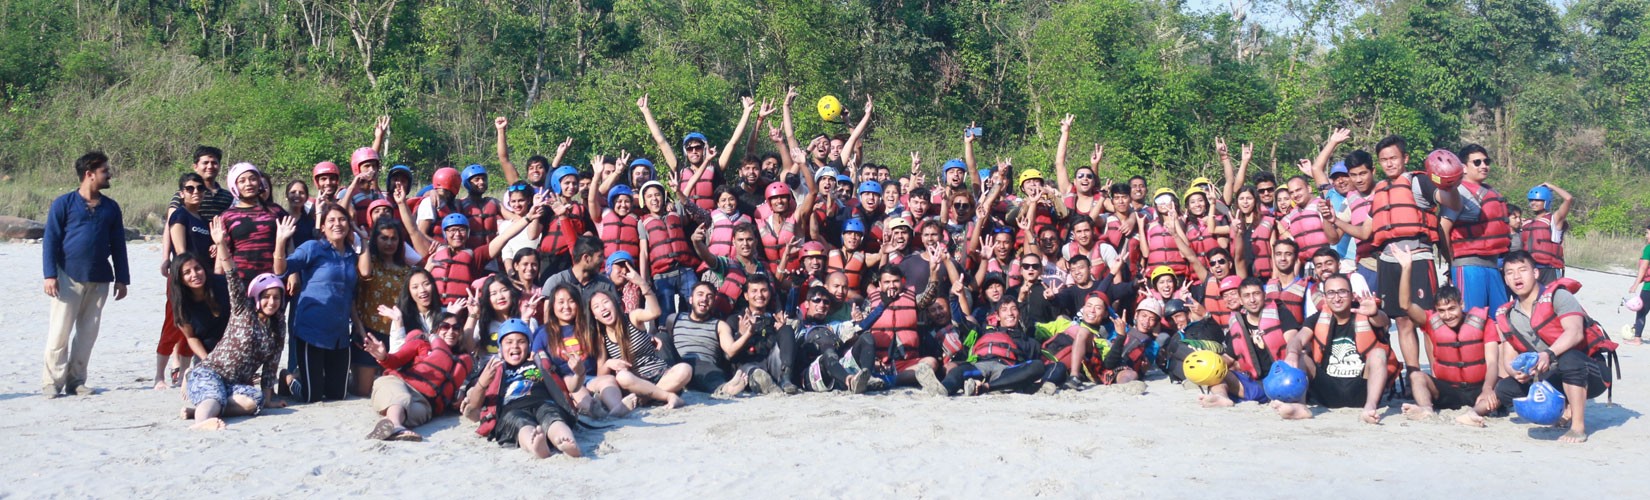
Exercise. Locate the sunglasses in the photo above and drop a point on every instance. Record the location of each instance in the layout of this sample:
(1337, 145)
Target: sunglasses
(1481, 162)
(1031, 265)
(192, 188)
(819, 300)
(446, 326)
(1085, 176)
(695, 148)
(1217, 262)
(519, 188)
(1265, 190)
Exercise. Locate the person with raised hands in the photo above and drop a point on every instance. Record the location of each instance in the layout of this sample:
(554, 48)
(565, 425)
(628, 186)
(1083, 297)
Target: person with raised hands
(701, 176)
(1082, 196)
(1464, 346)
(617, 224)
(786, 222)
(363, 187)
(538, 167)
(1233, 178)
(239, 376)
(327, 272)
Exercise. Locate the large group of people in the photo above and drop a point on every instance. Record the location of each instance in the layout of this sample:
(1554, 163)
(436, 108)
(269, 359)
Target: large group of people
(775, 267)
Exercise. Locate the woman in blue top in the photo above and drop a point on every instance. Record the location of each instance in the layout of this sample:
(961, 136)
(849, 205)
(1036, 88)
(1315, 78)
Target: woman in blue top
(326, 270)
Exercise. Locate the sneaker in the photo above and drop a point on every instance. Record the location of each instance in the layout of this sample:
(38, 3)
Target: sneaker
(764, 382)
(84, 390)
(876, 384)
(1048, 388)
(971, 387)
(281, 387)
(790, 389)
(50, 391)
(930, 383)
(859, 382)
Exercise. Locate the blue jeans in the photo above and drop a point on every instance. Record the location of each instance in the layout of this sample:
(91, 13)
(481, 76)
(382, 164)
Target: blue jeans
(669, 288)
(1480, 287)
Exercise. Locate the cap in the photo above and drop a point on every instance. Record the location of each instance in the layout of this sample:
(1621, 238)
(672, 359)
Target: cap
(619, 256)
(1339, 168)
(893, 222)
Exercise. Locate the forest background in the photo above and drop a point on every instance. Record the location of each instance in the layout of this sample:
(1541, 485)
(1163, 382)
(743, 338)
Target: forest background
(1558, 91)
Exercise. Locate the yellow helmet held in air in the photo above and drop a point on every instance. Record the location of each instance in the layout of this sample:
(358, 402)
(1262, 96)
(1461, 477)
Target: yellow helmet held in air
(1205, 368)
(830, 109)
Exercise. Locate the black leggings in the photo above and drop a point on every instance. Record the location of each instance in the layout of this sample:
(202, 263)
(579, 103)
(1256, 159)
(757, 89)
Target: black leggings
(780, 368)
(863, 350)
(323, 374)
(1022, 377)
(1572, 368)
(1638, 322)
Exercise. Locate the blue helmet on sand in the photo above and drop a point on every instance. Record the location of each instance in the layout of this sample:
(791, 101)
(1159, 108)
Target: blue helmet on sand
(1286, 383)
(1543, 406)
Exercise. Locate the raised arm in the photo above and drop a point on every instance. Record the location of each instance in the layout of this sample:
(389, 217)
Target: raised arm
(968, 147)
(1563, 211)
(1060, 177)
(739, 130)
(859, 130)
(510, 173)
(785, 112)
(283, 235)
(1320, 168)
(665, 150)
(379, 131)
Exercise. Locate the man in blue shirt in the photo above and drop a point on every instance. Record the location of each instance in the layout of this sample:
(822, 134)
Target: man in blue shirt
(84, 236)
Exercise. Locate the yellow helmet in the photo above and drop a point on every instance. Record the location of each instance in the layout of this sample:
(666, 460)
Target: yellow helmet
(1159, 271)
(1201, 181)
(830, 109)
(1194, 190)
(1164, 191)
(1029, 175)
(1205, 368)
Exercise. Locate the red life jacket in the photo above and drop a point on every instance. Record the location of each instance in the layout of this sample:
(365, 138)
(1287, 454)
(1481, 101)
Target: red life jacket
(1491, 236)
(1212, 303)
(1359, 207)
(1290, 297)
(1116, 232)
(720, 239)
(898, 323)
(453, 271)
(1396, 215)
(1538, 240)
(561, 232)
(1367, 339)
(1458, 354)
(852, 265)
(1260, 246)
(491, 400)
(436, 373)
(1203, 240)
(1097, 264)
(1044, 218)
(1161, 250)
(996, 344)
(1071, 199)
(620, 233)
(444, 210)
(1547, 326)
(702, 193)
(667, 244)
(732, 285)
(1271, 339)
(483, 220)
(1307, 229)
(1059, 347)
(776, 240)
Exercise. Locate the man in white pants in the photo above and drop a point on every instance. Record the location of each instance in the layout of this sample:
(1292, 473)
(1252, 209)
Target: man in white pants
(83, 251)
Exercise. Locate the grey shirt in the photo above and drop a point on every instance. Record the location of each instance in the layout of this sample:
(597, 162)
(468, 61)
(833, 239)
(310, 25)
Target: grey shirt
(597, 282)
(1563, 303)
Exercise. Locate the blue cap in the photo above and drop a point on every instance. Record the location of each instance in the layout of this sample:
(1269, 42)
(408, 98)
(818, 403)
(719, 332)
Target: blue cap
(843, 178)
(617, 191)
(514, 326)
(619, 256)
(454, 220)
(472, 171)
(641, 161)
(985, 173)
(853, 225)
(692, 136)
(1339, 168)
(870, 187)
(399, 169)
(562, 171)
(953, 163)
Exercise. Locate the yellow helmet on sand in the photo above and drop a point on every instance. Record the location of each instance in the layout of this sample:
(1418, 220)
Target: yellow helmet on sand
(830, 109)
(1205, 368)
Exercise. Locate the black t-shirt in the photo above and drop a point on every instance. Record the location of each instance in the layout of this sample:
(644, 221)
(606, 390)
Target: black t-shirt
(207, 327)
(1070, 299)
(1036, 308)
(1340, 382)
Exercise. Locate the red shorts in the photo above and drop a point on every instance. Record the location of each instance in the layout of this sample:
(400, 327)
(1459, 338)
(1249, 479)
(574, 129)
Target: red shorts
(905, 364)
(171, 337)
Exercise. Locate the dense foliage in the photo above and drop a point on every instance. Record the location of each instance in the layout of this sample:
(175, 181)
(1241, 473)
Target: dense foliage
(286, 83)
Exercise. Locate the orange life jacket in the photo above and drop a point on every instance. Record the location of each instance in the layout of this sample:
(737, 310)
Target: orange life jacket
(996, 344)
(898, 323)
(1458, 353)
(667, 244)
(1547, 326)
(1491, 236)
(1366, 338)
(1396, 215)
(852, 265)
(620, 233)
(1271, 339)
(1538, 240)
(453, 271)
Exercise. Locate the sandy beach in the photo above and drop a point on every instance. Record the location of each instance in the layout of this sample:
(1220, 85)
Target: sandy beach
(127, 442)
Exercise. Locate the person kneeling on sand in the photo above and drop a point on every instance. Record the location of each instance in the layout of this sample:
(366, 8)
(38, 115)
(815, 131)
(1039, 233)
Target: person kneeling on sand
(1463, 346)
(423, 375)
(519, 402)
(1351, 361)
(250, 352)
(1571, 348)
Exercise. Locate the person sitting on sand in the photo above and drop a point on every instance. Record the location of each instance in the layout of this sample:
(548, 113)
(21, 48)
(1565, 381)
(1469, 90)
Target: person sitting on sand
(198, 305)
(422, 378)
(1002, 357)
(1547, 319)
(628, 352)
(701, 340)
(1351, 361)
(1257, 336)
(222, 385)
(1463, 347)
(762, 345)
(518, 401)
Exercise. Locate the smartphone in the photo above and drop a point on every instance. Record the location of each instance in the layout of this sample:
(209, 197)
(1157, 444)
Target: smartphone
(972, 132)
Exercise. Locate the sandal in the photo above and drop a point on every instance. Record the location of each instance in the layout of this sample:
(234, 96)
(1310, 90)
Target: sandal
(382, 430)
(406, 435)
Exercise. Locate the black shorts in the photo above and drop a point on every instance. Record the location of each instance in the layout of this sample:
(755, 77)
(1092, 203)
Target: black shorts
(1332, 392)
(1451, 396)
(512, 421)
(358, 357)
(1423, 286)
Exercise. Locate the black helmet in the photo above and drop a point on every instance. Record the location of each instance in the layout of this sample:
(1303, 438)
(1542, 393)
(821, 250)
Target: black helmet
(1173, 306)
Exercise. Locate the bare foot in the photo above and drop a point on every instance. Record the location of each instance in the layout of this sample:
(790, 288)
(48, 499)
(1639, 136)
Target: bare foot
(673, 401)
(631, 402)
(1417, 412)
(569, 446)
(1574, 436)
(532, 440)
(1294, 411)
(161, 385)
(1470, 419)
(211, 424)
(188, 413)
(1215, 401)
(733, 386)
(1372, 417)
(407, 435)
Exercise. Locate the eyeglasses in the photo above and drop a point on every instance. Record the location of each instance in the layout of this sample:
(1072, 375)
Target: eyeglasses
(696, 148)
(819, 300)
(962, 206)
(444, 326)
(1338, 293)
(192, 188)
(1481, 162)
(1031, 265)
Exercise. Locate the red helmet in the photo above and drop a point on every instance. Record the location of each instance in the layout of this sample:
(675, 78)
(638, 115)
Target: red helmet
(777, 189)
(361, 156)
(1446, 169)
(324, 168)
(446, 178)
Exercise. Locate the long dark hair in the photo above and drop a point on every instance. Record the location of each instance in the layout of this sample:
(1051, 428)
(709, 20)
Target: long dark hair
(1246, 224)
(410, 319)
(180, 292)
(397, 256)
(485, 295)
(581, 330)
(589, 326)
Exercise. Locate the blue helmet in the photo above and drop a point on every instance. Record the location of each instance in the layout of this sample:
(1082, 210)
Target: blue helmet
(1286, 383)
(641, 161)
(472, 171)
(694, 136)
(558, 174)
(1542, 193)
(1525, 362)
(454, 220)
(853, 225)
(985, 173)
(1543, 406)
(953, 163)
(617, 191)
(870, 187)
(843, 179)
(399, 170)
(514, 326)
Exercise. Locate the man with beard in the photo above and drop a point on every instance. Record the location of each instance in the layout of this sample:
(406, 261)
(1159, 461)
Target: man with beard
(698, 338)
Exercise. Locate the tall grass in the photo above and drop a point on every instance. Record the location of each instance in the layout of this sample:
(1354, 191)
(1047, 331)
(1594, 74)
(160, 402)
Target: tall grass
(1603, 252)
(142, 196)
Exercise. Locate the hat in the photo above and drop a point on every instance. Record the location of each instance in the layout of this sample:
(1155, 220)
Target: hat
(1230, 283)
(619, 256)
(894, 222)
(813, 249)
(454, 220)
(263, 282)
(235, 173)
(776, 189)
(694, 136)
(641, 161)
(953, 163)
(1338, 169)
(1029, 175)
(824, 172)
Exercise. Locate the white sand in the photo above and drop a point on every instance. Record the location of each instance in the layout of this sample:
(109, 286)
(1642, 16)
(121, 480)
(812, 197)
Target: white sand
(127, 442)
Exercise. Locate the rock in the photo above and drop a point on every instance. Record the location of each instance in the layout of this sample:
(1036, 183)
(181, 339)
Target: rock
(133, 234)
(18, 228)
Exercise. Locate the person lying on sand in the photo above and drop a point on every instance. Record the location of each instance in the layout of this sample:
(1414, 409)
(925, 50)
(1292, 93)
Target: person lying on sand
(422, 377)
